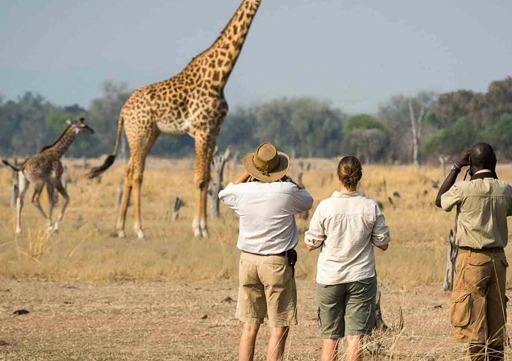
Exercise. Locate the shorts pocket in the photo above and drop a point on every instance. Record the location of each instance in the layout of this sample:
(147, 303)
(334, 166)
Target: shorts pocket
(478, 260)
(367, 281)
(460, 308)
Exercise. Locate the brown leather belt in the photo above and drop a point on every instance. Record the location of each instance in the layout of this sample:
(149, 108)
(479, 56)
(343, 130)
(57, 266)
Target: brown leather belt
(282, 254)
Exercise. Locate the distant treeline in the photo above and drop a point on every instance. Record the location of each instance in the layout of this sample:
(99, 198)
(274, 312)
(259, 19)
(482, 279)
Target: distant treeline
(406, 129)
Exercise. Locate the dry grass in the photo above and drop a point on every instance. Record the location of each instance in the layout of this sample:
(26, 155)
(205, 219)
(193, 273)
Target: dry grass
(85, 253)
(86, 250)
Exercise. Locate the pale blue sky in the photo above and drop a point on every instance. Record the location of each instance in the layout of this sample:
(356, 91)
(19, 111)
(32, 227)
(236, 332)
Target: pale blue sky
(355, 54)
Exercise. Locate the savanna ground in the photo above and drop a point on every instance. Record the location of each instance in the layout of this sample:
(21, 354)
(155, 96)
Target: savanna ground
(91, 296)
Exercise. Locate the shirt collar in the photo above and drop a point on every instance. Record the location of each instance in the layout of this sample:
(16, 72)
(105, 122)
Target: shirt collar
(338, 194)
(483, 171)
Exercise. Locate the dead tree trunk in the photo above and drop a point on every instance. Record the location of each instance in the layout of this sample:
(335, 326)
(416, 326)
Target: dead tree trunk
(450, 262)
(302, 168)
(119, 195)
(178, 203)
(442, 160)
(14, 194)
(218, 163)
(379, 322)
(416, 130)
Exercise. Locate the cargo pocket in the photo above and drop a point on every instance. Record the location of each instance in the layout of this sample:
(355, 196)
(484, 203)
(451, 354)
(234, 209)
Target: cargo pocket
(477, 271)
(460, 308)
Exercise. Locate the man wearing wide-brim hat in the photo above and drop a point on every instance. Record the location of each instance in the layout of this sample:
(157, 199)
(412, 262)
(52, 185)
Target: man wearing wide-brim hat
(266, 200)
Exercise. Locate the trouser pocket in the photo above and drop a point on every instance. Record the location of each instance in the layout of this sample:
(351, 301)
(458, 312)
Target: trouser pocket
(460, 308)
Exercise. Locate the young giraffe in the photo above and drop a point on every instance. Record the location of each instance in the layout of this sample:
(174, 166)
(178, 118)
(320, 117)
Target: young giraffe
(46, 168)
(192, 103)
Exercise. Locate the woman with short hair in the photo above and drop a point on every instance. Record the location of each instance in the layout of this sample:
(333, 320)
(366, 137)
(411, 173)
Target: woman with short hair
(346, 227)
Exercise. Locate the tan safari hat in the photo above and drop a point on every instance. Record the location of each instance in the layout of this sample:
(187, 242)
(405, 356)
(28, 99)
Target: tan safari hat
(267, 164)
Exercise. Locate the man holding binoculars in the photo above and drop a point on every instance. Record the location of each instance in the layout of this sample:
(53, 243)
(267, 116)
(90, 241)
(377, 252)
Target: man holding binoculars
(478, 301)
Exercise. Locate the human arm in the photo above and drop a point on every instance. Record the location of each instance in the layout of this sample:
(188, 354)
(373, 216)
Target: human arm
(380, 233)
(300, 200)
(464, 160)
(230, 195)
(315, 235)
(242, 178)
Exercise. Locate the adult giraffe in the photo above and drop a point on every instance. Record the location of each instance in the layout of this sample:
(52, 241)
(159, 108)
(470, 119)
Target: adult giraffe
(193, 103)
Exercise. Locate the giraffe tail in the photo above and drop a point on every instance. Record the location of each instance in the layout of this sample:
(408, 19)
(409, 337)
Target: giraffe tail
(16, 169)
(99, 170)
(112, 157)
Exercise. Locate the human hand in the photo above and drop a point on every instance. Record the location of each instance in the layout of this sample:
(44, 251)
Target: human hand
(383, 247)
(289, 179)
(464, 158)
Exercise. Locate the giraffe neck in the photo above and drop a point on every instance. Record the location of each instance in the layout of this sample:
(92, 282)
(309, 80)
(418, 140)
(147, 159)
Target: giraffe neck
(221, 57)
(62, 143)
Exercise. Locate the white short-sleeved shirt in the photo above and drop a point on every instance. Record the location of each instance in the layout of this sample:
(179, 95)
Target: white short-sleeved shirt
(346, 226)
(266, 211)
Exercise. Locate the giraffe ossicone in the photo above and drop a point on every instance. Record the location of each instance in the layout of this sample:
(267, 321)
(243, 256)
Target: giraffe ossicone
(193, 103)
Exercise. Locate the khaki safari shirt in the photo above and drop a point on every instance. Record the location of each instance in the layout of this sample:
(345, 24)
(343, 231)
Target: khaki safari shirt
(483, 206)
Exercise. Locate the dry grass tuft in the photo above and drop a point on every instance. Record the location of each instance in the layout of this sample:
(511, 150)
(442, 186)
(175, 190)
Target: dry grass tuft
(38, 244)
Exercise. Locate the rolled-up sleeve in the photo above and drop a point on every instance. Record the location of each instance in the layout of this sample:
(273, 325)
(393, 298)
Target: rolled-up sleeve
(315, 235)
(451, 198)
(380, 231)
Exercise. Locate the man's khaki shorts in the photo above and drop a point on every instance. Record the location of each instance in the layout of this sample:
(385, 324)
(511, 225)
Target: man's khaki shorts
(347, 308)
(478, 301)
(266, 289)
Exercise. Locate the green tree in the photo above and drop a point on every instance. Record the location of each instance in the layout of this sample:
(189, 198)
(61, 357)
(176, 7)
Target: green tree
(29, 115)
(305, 127)
(103, 115)
(362, 121)
(239, 130)
(499, 135)
(407, 119)
(499, 97)
(366, 138)
(453, 139)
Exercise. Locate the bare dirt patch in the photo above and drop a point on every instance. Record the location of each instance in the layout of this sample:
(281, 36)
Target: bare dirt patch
(190, 321)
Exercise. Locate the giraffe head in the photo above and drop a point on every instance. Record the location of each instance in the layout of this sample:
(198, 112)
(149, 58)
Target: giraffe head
(78, 126)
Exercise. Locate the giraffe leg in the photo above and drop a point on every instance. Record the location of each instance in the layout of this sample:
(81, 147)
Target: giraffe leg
(51, 202)
(125, 200)
(23, 184)
(138, 172)
(140, 144)
(60, 188)
(204, 152)
(38, 187)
